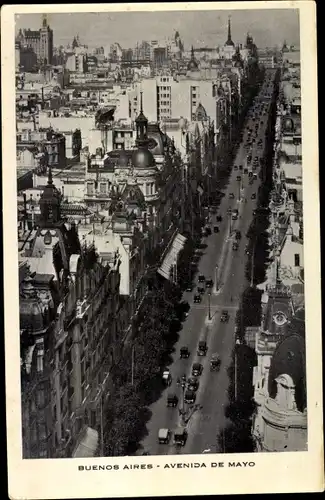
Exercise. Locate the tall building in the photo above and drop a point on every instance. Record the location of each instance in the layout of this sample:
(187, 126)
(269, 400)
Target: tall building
(40, 41)
(68, 310)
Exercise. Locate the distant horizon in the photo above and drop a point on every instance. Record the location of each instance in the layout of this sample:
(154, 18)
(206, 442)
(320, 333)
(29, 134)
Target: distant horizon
(269, 28)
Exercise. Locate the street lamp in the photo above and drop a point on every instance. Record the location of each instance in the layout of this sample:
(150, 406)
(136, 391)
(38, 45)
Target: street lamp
(230, 224)
(183, 385)
(236, 344)
(216, 277)
(239, 187)
(253, 264)
(209, 302)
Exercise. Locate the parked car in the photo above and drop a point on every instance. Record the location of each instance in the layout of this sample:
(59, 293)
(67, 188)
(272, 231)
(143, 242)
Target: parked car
(253, 197)
(189, 288)
(240, 167)
(197, 369)
(235, 167)
(224, 316)
(219, 218)
(197, 299)
(216, 229)
(201, 278)
(238, 235)
(201, 290)
(238, 178)
(231, 196)
(235, 245)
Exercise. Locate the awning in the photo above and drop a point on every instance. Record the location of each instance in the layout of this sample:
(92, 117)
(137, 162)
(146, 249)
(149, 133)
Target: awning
(171, 256)
(88, 444)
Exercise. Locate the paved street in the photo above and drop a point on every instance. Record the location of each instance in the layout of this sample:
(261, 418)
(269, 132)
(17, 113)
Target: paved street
(206, 422)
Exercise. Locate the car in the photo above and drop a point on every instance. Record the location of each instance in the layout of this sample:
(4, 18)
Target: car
(219, 218)
(240, 167)
(197, 369)
(238, 235)
(189, 288)
(250, 182)
(201, 290)
(197, 298)
(254, 212)
(231, 196)
(224, 316)
(209, 283)
(235, 245)
(253, 197)
(180, 436)
(235, 167)
(184, 352)
(189, 397)
(193, 384)
(164, 436)
(172, 400)
(216, 229)
(202, 348)
(245, 170)
(201, 278)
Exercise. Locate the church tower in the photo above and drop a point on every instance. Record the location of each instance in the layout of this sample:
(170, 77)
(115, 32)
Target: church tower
(229, 41)
(50, 203)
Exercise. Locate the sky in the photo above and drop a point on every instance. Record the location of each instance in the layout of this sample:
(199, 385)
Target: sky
(199, 28)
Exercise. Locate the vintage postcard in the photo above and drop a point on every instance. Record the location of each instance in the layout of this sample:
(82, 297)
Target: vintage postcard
(161, 249)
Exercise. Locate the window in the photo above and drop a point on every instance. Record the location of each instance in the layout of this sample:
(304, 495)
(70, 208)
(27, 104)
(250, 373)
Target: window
(297, 260)
(103, 187)
(90, 188)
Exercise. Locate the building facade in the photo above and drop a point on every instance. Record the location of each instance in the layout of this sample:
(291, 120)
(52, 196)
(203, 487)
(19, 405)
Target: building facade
(68, 309)
(40, 41)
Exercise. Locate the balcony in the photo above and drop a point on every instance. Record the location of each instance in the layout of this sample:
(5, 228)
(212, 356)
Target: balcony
(82, 307)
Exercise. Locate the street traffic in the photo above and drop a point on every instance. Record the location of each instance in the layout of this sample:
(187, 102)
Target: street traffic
(196, 392)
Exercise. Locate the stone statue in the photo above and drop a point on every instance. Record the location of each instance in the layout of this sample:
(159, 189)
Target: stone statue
(285, 396)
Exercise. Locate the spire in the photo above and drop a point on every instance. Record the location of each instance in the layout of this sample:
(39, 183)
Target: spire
(229, 29)
(141, 126)
(44, 22)
(229, 40)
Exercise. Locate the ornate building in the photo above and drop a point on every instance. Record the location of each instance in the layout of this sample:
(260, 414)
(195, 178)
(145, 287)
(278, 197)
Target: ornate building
(68, 320)
(138, 195)
(40, 41)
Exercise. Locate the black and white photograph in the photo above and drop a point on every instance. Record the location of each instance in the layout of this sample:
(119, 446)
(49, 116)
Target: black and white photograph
(160, 234)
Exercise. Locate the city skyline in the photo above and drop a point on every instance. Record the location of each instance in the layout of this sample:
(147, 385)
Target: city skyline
(103, 29)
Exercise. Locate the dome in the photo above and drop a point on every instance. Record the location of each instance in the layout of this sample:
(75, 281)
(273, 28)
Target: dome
(289, 359)
(123, 159)
(142, 158)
